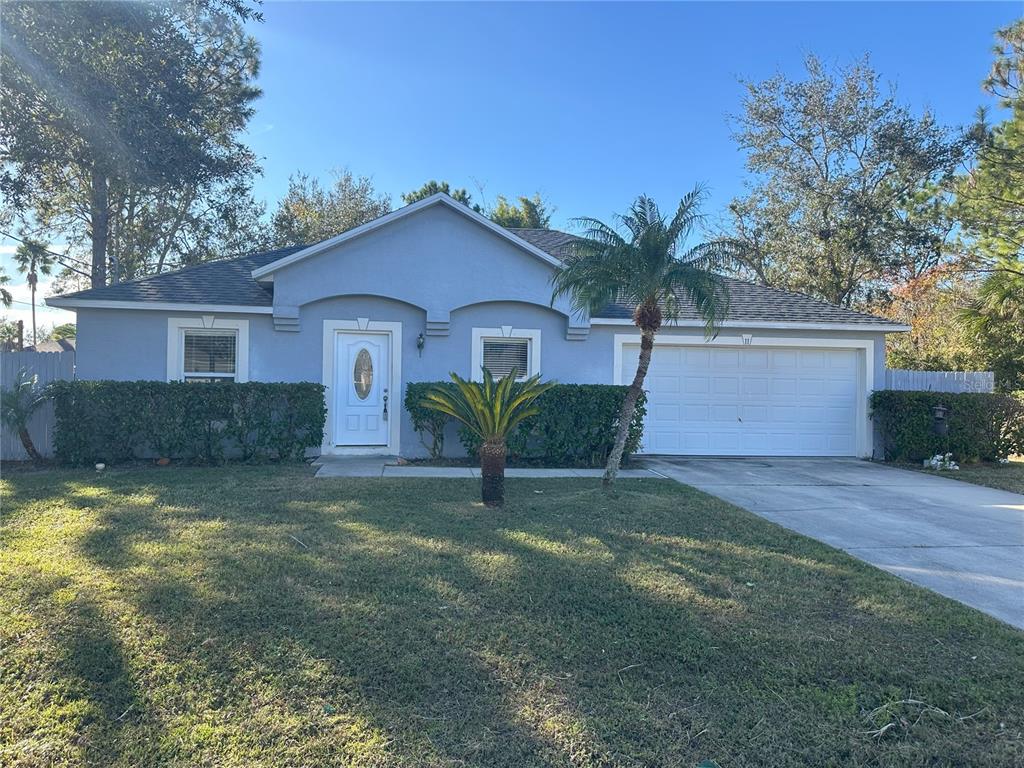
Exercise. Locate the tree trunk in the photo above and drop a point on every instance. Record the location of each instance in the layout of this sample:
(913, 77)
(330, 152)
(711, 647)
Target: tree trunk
(629, 408)
(32, 281)
(99, 214)
(30, 447)
(492, 472)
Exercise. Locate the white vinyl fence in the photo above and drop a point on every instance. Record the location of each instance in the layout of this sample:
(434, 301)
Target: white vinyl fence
(940, 381)
(47, 366)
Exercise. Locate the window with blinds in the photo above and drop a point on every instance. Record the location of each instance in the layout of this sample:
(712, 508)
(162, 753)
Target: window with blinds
(209, 355)
(500, 356)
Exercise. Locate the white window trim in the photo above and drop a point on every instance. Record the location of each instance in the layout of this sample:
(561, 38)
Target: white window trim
(504, 332)
(394, 330)
(866, 365)
(176, 327)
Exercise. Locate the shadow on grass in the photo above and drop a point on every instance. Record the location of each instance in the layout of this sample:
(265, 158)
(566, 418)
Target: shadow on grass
(395, 623)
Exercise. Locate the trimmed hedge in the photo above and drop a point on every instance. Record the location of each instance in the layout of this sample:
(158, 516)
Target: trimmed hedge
(575, 427)
(116, 421)
(982, 426)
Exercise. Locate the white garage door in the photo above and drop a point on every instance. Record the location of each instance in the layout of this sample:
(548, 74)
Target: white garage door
(749, 401)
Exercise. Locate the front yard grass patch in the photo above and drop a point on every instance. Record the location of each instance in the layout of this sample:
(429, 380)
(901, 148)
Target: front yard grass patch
(246, 616)
(1007, 477)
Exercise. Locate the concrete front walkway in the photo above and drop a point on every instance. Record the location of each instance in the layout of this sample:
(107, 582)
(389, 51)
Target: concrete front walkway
(389, 466)
(964, 541)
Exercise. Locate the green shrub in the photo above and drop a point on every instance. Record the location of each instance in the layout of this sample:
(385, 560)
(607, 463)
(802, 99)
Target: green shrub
(982, 426)
(575, 426)
(116, 421)
(428, 423)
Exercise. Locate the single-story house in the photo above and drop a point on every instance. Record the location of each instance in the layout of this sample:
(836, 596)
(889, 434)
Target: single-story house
(435, 287)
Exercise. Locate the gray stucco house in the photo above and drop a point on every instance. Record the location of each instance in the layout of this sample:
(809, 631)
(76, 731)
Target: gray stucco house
(435, 287)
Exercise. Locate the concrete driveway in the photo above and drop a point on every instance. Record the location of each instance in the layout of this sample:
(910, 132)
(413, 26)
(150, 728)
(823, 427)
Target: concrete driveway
(964, 541)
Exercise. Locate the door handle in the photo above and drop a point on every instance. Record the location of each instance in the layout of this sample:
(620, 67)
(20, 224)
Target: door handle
(385, 416)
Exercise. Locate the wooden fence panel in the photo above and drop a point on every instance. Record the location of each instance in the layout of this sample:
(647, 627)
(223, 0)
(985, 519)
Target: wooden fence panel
(48, 366)
(940, 381)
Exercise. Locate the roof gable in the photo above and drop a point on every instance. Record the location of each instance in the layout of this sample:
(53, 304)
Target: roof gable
(439, 198)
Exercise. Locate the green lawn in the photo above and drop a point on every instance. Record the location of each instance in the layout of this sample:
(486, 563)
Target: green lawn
(1008, 477)
(256, 617)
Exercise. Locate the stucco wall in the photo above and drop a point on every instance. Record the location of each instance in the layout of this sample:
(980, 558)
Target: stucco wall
(123, 344)
(435, 259)
(443, 275)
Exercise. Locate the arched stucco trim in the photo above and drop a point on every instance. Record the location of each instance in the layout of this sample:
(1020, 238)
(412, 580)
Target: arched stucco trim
(363, 295)
(289, 318)
(556, 310)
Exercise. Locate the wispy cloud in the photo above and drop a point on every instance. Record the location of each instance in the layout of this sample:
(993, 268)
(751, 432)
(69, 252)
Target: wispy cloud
(260, 130)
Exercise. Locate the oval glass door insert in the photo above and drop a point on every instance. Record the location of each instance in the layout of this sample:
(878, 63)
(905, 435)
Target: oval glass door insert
(362, 374)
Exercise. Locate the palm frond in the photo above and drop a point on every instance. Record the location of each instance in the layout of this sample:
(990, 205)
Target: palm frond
(20, 401)
(487, 408)
(688, 214)
(705, 291)
(642, 265)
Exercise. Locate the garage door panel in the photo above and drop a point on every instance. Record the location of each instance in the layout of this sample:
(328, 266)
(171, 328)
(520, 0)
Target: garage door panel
(736, 401)
(696, 385)
(725, 358)
(811, 360)
(783, 359)
(696, 441)
(785, 413)
(724, 442)
(839, 387)
(752, 414)
(755, 385)
(784, 386)
(755, 360)
(665, 385)
(725, 385)
(725, 414)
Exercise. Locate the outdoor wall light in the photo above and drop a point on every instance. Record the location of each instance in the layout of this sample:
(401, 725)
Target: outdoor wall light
(421, 341)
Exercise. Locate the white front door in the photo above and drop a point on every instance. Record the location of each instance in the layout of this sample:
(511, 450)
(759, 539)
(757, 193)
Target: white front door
(362, 381)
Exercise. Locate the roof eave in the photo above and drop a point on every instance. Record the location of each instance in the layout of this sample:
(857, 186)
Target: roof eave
(881, 326)
(165, 306)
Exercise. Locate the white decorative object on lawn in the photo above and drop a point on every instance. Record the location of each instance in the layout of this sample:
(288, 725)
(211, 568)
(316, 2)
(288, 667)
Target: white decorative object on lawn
(940, 462)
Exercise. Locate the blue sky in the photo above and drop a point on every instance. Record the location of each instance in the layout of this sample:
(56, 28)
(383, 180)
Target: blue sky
(590, 104)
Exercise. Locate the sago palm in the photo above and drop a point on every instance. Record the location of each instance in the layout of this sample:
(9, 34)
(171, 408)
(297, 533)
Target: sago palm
(17, 405)
(491, 410)
(648, 264)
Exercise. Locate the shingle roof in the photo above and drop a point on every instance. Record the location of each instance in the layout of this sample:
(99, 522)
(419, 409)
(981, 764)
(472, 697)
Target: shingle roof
(230, 282)
(548, 240)
(747, 301)
(227, 282)
(759, 303)
(58, 345)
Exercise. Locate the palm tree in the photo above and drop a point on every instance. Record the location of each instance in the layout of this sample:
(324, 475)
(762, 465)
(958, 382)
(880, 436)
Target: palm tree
(5, 296)
(17, 405)
(649, 267)
(33, 258)
(491, 411)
